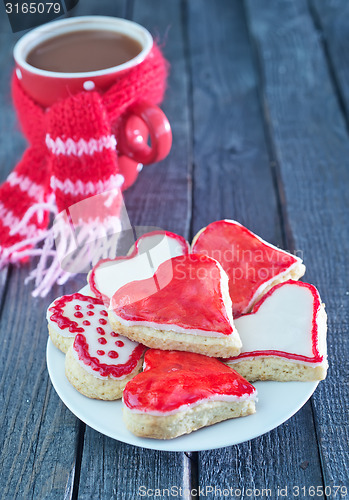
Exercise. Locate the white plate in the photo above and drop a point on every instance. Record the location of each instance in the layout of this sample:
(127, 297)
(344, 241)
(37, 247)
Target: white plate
(277, 402)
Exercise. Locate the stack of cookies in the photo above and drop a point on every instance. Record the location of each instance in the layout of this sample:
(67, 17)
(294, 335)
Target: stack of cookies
(180, 332)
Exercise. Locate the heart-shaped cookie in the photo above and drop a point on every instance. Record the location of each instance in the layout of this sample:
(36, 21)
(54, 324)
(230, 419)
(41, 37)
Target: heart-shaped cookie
(184, 306)
(72, 314)
(104, 353)
(179, 392)
(284, 338)
(252, 265)
(149, 251)
(101, 362)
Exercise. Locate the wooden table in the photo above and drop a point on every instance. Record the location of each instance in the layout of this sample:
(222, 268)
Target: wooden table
(258, 99)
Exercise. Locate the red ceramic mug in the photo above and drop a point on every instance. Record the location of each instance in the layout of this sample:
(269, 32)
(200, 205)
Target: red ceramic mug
(140, 122)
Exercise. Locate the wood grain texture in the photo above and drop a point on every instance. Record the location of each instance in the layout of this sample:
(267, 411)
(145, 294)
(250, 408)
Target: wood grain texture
(312, 147)
(160, 198)
(331, 19)
(233, 178)
(113, 470)
(38, 433)
(161, 194)
(231, 163)
(39, 436)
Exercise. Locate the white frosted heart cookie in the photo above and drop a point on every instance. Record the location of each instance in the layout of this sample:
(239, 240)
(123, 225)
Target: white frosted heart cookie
(69, 315)
(100, 362)
(284, 338)
(184, 306)
(148, 252)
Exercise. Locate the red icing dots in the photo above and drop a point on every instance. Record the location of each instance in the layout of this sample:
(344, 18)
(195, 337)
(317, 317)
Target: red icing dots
(64, 322)
(172, 379)
(113, 334)
(119, 343)
(107, 370)
(81, 346)
(113, 354)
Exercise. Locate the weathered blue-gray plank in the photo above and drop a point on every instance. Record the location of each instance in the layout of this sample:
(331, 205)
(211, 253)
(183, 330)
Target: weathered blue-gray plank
(312, 149)
(38, 436)
(331, 19)
(234, 178)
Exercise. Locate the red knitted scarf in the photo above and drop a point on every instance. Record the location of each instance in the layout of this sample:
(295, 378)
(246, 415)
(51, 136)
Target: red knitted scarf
(72, 155)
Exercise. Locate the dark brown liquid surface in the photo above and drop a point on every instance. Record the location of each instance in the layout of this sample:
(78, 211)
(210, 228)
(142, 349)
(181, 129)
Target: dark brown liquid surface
(81, 51)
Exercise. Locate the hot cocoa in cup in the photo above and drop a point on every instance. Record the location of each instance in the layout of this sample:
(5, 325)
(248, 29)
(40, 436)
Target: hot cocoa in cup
(91, 53)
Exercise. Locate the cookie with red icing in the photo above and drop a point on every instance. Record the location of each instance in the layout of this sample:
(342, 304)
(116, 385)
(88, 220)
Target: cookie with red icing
(179, 392)
(184, 306)
(252, 265)
(99, 362)
(71, 314)
(284, 338)
(148, 252)
(101, 370)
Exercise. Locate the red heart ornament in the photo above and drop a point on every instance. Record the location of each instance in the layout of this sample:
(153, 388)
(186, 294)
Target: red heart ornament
(173, 381)
(252, 265)
(149, 251)
(187, 294)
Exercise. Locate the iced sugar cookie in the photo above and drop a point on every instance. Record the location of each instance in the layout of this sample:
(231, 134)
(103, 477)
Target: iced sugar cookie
(284, 338)
(179, 392)
(149, 251)
(69, 315)
(100, 362)
(184, 306)
(252, 265)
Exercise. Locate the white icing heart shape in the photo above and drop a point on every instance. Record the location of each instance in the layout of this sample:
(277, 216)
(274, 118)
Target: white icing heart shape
(150, 250)
(99, 350)
(288, 322)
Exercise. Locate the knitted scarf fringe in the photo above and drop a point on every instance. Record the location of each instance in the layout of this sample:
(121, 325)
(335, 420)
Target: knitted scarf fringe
(79, 160)
(96, 241)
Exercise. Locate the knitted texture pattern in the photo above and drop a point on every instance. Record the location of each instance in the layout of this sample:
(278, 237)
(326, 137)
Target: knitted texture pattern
(72, 153)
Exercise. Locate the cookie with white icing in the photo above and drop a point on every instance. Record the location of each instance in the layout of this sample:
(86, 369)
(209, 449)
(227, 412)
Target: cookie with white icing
(69, 315)
(179, 392)
(101, 362)
(185, 306)
(253, 265)
(148, 252)
(284, 338)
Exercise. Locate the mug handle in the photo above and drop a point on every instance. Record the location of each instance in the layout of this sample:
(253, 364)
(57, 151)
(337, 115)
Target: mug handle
(134, 144)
